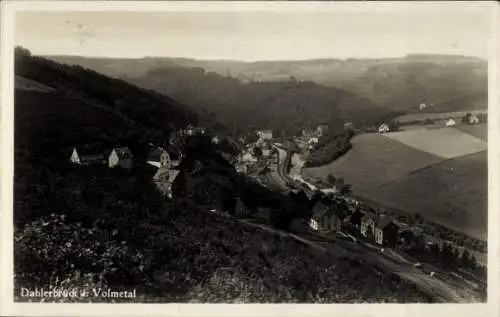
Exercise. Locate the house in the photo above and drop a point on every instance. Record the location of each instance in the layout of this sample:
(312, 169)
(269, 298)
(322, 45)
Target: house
(160, 158)
(368, 226)
(325, 217)
(409, 239)
(85, 156)
(242, 168)
(422, 106)
(266, 153)
(473, 119)
(348, 126)
(164, 179)
(386, 231)
(215, 140)
(355, 218)
(450, 122)
(240, 209)
(321, 130)
(265, 134)
(383, 128)
(121, 157)
(314, 140)
(308, 133)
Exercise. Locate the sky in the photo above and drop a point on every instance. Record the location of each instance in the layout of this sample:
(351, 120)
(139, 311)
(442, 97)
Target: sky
(253, 35)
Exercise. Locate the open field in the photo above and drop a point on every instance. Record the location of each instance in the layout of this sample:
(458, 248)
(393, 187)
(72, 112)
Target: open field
(479, 130)
(452, 193)
(447, 143)
(374, 160)
(421, 116)
(445, 181)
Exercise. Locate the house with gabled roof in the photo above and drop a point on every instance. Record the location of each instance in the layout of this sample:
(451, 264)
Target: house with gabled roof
(120, 157)
(326, 217)
(381, 229)
(386, 231)
(86, 155)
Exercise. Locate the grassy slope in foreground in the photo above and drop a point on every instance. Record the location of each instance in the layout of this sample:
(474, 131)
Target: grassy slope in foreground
(374, 160)
(452, 193)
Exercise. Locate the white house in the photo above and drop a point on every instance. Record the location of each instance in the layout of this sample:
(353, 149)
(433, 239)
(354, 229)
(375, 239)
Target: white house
(450, 122)
(121, 157)
(266, 153)
(422, 106)
(473, 119)
(265, 134)
(383, 128)
(314, 140)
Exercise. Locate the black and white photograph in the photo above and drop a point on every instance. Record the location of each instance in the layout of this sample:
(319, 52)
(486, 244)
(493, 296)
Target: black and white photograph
(250, 153)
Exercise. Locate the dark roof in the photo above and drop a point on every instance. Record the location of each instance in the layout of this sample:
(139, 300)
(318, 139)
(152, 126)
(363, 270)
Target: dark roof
(155, 153)
(325, 208)
(123, 152)
(380, 221)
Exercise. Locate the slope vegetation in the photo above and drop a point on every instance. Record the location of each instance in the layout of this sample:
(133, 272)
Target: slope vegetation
(399, 84)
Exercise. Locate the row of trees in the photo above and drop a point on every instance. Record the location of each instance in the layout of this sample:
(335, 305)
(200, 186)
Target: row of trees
(336, 146)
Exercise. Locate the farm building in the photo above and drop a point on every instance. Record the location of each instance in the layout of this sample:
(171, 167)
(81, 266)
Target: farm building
(84, 156)
(450, 122)
(121, 157)
(326, 218)
(355, 218)
(386, 231)
(383, 128)
(368, 226)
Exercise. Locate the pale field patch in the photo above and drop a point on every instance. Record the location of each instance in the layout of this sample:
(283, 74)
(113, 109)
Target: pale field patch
(446, 143)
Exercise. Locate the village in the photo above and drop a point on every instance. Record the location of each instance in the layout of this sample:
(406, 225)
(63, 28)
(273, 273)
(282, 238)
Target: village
(267, 159)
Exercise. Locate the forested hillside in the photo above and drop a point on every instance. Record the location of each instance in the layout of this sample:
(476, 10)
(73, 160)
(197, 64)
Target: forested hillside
(290, 105)
(451, 82)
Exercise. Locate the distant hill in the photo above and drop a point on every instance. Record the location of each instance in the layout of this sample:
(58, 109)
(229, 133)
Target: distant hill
(290, 105)
(399, 84)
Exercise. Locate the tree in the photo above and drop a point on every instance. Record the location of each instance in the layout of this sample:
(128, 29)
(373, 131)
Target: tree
(346, 190)
(394, 125)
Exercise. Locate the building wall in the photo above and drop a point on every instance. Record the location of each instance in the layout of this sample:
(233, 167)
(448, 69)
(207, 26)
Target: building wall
(74, 157)
(165, 161)
(113, 159)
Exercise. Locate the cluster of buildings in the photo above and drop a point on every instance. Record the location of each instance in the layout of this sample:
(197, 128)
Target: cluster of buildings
(117, 157)
(256, 156)
(328, 216)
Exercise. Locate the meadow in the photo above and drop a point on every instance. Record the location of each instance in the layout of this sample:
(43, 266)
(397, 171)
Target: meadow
(446, 143)
(373, 161)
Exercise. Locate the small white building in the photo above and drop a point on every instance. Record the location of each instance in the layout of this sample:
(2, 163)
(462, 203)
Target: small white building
(121, 157)
(314, 140)
(160, 158)
(383, 128)
(450, 122)
(265, 134)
